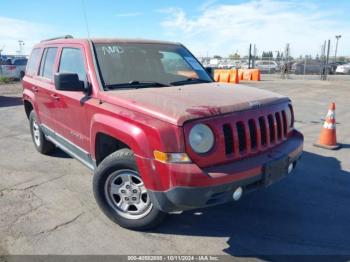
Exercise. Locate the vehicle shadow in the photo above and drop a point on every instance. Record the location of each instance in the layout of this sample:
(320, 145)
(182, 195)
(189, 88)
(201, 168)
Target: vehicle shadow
(6, 101)
(59, 153)
(344, 146)
(305, 214)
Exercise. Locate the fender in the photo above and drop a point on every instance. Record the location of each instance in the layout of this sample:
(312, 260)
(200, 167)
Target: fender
(130, 134)
(30, 97)
(133, 136)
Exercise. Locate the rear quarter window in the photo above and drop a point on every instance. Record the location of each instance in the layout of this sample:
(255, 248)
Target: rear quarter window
(48, 62)
(32, 67)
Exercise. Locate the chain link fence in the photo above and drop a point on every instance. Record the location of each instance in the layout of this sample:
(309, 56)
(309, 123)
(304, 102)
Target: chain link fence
(306, 68)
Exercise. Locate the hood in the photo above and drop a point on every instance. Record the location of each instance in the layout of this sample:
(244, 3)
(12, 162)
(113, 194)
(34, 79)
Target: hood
(177, 104)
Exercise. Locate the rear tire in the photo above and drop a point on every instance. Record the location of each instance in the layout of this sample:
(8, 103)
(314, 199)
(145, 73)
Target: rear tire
(41, 144)
(120, 193)
(21, 75)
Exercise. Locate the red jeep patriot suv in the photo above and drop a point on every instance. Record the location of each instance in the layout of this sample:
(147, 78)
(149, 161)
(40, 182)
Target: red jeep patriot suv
(159, 134)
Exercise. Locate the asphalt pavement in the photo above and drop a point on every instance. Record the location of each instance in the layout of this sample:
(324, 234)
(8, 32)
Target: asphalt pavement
(47, 205)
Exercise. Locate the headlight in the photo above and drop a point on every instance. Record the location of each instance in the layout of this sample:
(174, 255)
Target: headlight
(201, 138)
(290, 116)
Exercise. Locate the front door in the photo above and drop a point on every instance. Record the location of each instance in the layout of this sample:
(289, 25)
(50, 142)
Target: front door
(70, 113)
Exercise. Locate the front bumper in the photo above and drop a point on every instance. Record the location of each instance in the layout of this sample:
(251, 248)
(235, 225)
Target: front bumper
(342, 70)
(191, 187)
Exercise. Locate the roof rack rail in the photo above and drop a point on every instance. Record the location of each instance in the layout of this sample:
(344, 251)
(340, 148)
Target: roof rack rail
(59, 37)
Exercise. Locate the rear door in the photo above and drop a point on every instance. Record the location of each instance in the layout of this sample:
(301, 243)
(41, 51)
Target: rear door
(39, 83)
(44, 86)
(70, 112)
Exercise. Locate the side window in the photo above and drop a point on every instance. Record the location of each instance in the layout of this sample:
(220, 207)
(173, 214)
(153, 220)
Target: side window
(47, 62)
(72, 61)
(32, 68)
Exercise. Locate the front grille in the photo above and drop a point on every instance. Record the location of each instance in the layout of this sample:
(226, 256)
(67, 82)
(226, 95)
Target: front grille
(254, 134)
(242, 134)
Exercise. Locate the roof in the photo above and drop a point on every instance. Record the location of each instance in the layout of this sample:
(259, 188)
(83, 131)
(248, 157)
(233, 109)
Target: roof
(130, 40)
(105, 40)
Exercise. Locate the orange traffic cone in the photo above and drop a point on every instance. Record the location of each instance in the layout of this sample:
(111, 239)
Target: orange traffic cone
(328, 136)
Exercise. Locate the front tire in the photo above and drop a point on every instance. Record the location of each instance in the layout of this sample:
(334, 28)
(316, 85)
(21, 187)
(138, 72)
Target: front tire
(41, 144)
(121, 195)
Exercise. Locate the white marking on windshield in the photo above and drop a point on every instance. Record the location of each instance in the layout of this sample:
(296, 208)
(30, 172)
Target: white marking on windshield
(112, 49)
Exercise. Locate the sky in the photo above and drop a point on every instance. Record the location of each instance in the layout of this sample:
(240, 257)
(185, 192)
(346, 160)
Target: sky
(209, 27)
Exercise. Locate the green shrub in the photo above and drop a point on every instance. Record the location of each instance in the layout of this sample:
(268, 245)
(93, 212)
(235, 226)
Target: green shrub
(4, 80)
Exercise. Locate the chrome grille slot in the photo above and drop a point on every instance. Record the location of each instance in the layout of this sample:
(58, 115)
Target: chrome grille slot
(253, 134)
(228, 136)
(285, 124)
(271, 128)
(242, 144)
(279, 125)
(263, 130)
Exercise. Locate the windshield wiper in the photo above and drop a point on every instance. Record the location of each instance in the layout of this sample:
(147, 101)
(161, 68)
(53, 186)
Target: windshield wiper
(137, 84)
(190, 81)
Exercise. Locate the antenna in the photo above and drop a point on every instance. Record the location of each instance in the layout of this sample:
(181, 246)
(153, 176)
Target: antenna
(85, 18)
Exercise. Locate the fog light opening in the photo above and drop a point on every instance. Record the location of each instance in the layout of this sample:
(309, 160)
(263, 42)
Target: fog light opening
(237, 194)
(290, 168)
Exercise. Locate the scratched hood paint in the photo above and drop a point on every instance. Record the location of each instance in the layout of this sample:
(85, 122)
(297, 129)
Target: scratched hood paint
(178, 104)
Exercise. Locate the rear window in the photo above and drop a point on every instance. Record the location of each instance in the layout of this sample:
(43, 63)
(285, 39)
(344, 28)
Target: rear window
(20, 62)
(47, 62)
(33, 62)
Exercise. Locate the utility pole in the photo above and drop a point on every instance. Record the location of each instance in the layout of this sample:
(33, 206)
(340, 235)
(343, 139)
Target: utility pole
(285, 71)
(326, 60)
(253, 58)
(21, 44)
(323, 59)
(336, 48)
(250, 56)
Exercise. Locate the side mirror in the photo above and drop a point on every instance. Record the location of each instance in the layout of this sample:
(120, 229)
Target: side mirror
(210, 71)
(69, 82)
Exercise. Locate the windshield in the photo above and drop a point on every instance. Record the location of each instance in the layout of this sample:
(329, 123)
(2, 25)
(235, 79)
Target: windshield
(147, 65)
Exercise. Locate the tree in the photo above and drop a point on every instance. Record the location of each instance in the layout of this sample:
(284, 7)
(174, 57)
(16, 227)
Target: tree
(217, 56)
(341, 59)
(278, 56)
(267, 55)
(234, 56)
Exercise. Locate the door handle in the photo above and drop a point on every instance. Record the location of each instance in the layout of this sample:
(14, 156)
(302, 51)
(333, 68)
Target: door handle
(55, 97)
(35, 89)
